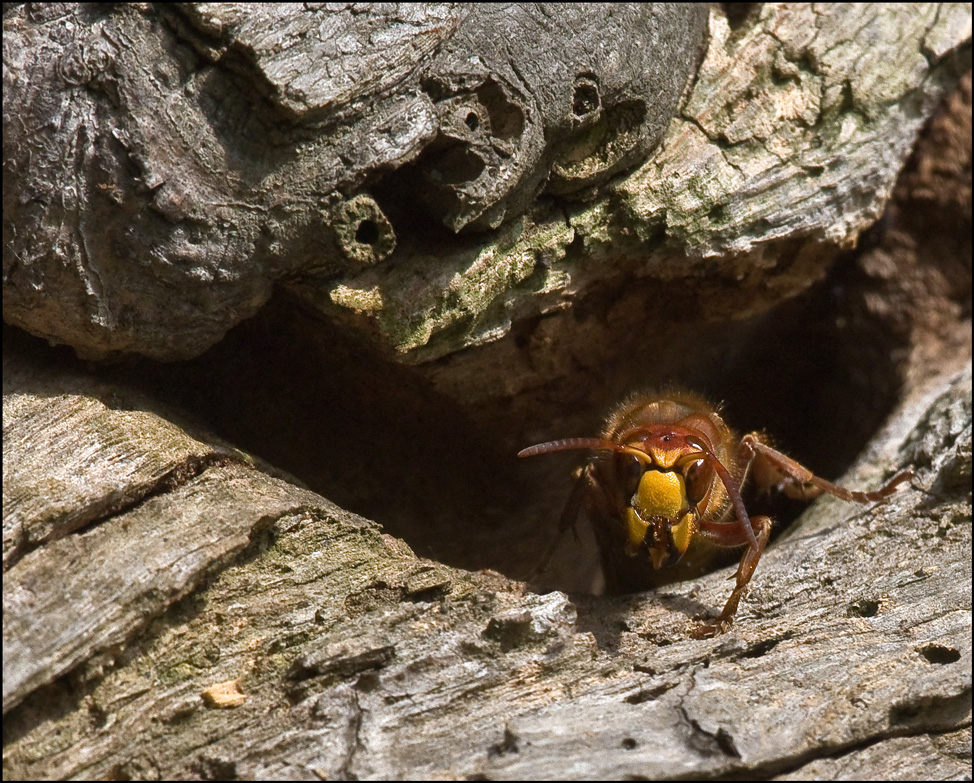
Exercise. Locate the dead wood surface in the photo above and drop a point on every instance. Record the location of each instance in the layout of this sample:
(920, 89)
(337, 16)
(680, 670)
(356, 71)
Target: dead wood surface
(229, 624)
(215, 149)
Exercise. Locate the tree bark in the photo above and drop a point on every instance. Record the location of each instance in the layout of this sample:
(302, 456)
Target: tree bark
(225, 623)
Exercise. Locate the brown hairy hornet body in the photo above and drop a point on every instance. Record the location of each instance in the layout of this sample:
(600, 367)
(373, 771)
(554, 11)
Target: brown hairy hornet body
(663, 491)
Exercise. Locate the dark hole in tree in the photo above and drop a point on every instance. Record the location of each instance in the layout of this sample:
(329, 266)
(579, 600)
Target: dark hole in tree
(506, 117)
(368, 434)
(585, 99)
(367, 232)
(454, 165)
(472, 121)
(938, 654)
(440, 471)
(865, 607)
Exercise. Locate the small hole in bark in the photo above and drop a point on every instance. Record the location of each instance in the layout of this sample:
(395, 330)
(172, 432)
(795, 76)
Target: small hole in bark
(864, 608)
(367, 232)
(585, 100)
(457, 164)
(938, 654)
(472, 121)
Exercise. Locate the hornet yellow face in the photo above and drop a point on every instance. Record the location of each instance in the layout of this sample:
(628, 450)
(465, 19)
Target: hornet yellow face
(661, 495)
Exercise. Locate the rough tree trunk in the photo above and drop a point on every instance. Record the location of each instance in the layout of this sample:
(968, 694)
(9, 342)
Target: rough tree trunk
(180, 598)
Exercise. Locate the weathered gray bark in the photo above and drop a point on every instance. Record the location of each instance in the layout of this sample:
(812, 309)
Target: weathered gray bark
(308, 644)
(200, 153)
(177, 607)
